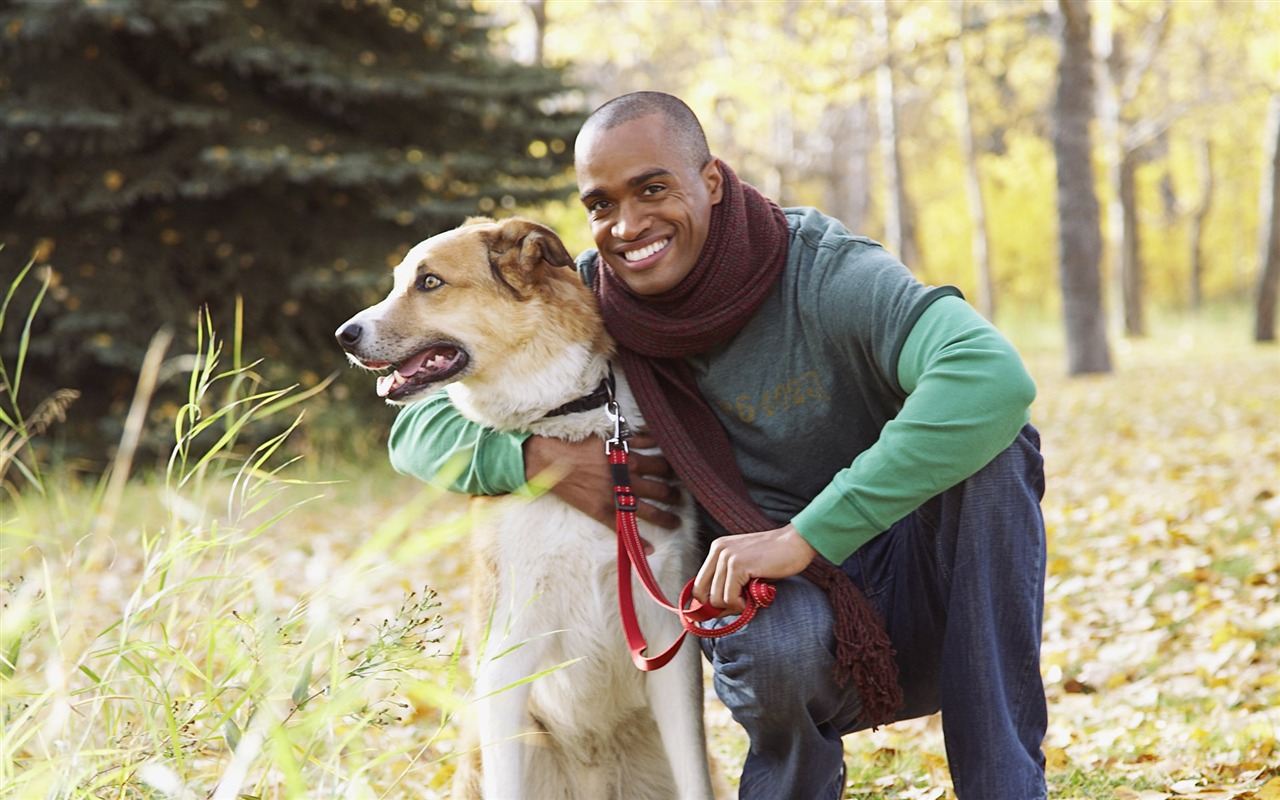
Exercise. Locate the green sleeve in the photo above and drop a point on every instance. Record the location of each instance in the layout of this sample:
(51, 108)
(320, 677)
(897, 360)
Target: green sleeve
(968, 395)
(432, 441)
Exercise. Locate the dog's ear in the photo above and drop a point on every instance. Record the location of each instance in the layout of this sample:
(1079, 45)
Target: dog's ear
(537, 243)
(520, 248)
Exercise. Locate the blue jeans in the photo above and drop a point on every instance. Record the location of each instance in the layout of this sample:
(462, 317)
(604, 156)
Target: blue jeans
(960, 585)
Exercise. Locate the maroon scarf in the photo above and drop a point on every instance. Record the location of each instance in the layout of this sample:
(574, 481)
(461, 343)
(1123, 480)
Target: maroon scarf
(745, 253)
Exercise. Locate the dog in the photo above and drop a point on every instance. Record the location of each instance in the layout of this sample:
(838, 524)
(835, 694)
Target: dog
(494, 312)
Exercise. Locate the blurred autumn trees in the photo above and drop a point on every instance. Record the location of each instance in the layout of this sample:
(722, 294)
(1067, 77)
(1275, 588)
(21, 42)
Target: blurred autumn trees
(164, 156)
(931, 125)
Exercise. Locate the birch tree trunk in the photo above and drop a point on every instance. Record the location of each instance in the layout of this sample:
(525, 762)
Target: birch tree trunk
(1269, 238)
(973, 179)
(899, 233)
(1079, 234)
(1131, 279)
(538, 9)
(847, 191)
(1198, 222)
(1204, 203)
(1107, 110)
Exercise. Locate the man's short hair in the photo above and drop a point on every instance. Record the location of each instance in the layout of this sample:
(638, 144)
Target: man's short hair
(682, 123)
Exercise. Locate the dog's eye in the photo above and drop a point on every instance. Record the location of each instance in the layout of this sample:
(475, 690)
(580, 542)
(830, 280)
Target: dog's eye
(429, 281)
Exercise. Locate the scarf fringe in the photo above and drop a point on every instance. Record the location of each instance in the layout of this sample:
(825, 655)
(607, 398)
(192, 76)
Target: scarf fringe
(864, 653)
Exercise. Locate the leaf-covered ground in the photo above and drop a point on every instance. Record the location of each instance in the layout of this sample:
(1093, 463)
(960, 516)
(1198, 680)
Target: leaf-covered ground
(1161, 649)
(1162, 632)
(1162, 625)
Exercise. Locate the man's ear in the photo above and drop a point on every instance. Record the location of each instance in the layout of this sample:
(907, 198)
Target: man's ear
(713, 178)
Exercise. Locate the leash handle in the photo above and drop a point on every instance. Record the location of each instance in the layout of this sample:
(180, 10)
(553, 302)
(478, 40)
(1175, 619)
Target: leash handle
(757, 594)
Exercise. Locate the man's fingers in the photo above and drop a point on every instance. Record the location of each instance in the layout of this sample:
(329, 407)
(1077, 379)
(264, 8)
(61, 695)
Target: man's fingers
(651, 465)
(643, 441)
(658, 516)
(585, 480)
(716, 585)
(657, 491)
(731, 592)
(702, 581)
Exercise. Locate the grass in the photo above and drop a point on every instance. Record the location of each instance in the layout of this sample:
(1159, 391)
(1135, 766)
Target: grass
(171, 636)
(241, 625)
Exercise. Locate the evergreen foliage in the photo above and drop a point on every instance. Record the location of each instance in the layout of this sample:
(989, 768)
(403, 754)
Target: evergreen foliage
(161, 156)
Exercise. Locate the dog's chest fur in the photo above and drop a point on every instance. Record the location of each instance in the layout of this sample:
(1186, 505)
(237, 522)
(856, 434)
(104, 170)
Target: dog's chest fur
(554, 572)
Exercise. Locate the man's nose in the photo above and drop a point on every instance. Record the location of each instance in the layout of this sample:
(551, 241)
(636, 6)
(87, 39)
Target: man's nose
(632, 222)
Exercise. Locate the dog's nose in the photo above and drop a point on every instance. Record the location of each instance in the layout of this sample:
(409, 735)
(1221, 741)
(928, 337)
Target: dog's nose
(349, 335)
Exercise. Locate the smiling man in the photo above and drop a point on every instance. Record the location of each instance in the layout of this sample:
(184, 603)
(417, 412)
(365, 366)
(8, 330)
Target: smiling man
(848, 432)
(648, 203)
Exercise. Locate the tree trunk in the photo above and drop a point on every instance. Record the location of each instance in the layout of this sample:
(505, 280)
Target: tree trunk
(973, 179)
(1105, 62)
(1269, 255)
(1198, 221)
(1079, 235)
(899, 233)
(538, 8)
(847, 191)
(1131, 278)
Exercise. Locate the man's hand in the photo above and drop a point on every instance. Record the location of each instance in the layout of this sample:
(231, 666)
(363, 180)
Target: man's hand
(583, 478)
(735, 560)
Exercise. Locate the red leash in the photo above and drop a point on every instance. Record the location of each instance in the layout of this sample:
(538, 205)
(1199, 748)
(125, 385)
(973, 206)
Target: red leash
(757, 593)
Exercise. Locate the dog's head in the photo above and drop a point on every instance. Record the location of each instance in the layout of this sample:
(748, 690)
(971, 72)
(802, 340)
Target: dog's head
(454, 306)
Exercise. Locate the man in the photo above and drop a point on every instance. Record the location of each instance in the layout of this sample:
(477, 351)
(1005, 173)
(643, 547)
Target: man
(816, 399)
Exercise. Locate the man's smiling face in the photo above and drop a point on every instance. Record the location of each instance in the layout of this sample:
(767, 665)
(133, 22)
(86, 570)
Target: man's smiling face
(648, 208)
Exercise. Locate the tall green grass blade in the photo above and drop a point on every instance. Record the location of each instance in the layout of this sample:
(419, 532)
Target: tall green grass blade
(531, 678)
(24, 342)
(302, 687)
(9, 661)
(232, 733)
(4, 313)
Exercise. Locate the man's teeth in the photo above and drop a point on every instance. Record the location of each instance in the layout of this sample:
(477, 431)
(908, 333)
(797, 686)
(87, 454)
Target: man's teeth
(645, 252)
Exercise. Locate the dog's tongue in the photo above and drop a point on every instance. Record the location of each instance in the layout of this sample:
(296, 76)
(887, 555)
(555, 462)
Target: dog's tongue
(440, 357)
(388, 383)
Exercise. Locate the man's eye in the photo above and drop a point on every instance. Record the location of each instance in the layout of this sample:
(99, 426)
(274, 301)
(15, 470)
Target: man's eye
(429, 281)
(598, 207)
(654, 188)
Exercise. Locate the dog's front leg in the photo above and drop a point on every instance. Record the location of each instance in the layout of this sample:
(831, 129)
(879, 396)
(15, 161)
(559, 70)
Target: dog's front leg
(675, 692)
(505, 724)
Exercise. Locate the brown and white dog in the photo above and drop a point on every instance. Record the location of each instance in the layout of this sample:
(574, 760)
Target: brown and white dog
(495, 312)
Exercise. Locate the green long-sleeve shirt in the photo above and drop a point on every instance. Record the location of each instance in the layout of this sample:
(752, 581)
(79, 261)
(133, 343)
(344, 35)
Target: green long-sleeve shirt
(852, 396)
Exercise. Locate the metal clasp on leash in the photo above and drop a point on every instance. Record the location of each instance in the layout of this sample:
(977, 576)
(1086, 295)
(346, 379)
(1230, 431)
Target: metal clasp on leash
(621, 431)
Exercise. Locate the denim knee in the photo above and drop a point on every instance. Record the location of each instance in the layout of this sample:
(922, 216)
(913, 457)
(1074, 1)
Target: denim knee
(780, 665)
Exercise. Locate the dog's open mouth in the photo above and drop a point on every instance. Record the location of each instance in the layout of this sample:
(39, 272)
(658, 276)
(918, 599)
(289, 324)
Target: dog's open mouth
(432, 365)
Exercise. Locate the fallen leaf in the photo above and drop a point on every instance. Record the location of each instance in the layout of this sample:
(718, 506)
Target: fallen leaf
(1125, 793)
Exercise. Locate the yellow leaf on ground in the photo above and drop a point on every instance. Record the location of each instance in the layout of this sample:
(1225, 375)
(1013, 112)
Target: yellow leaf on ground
(1269, 791)
(1125, 793)
(1056, 759)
